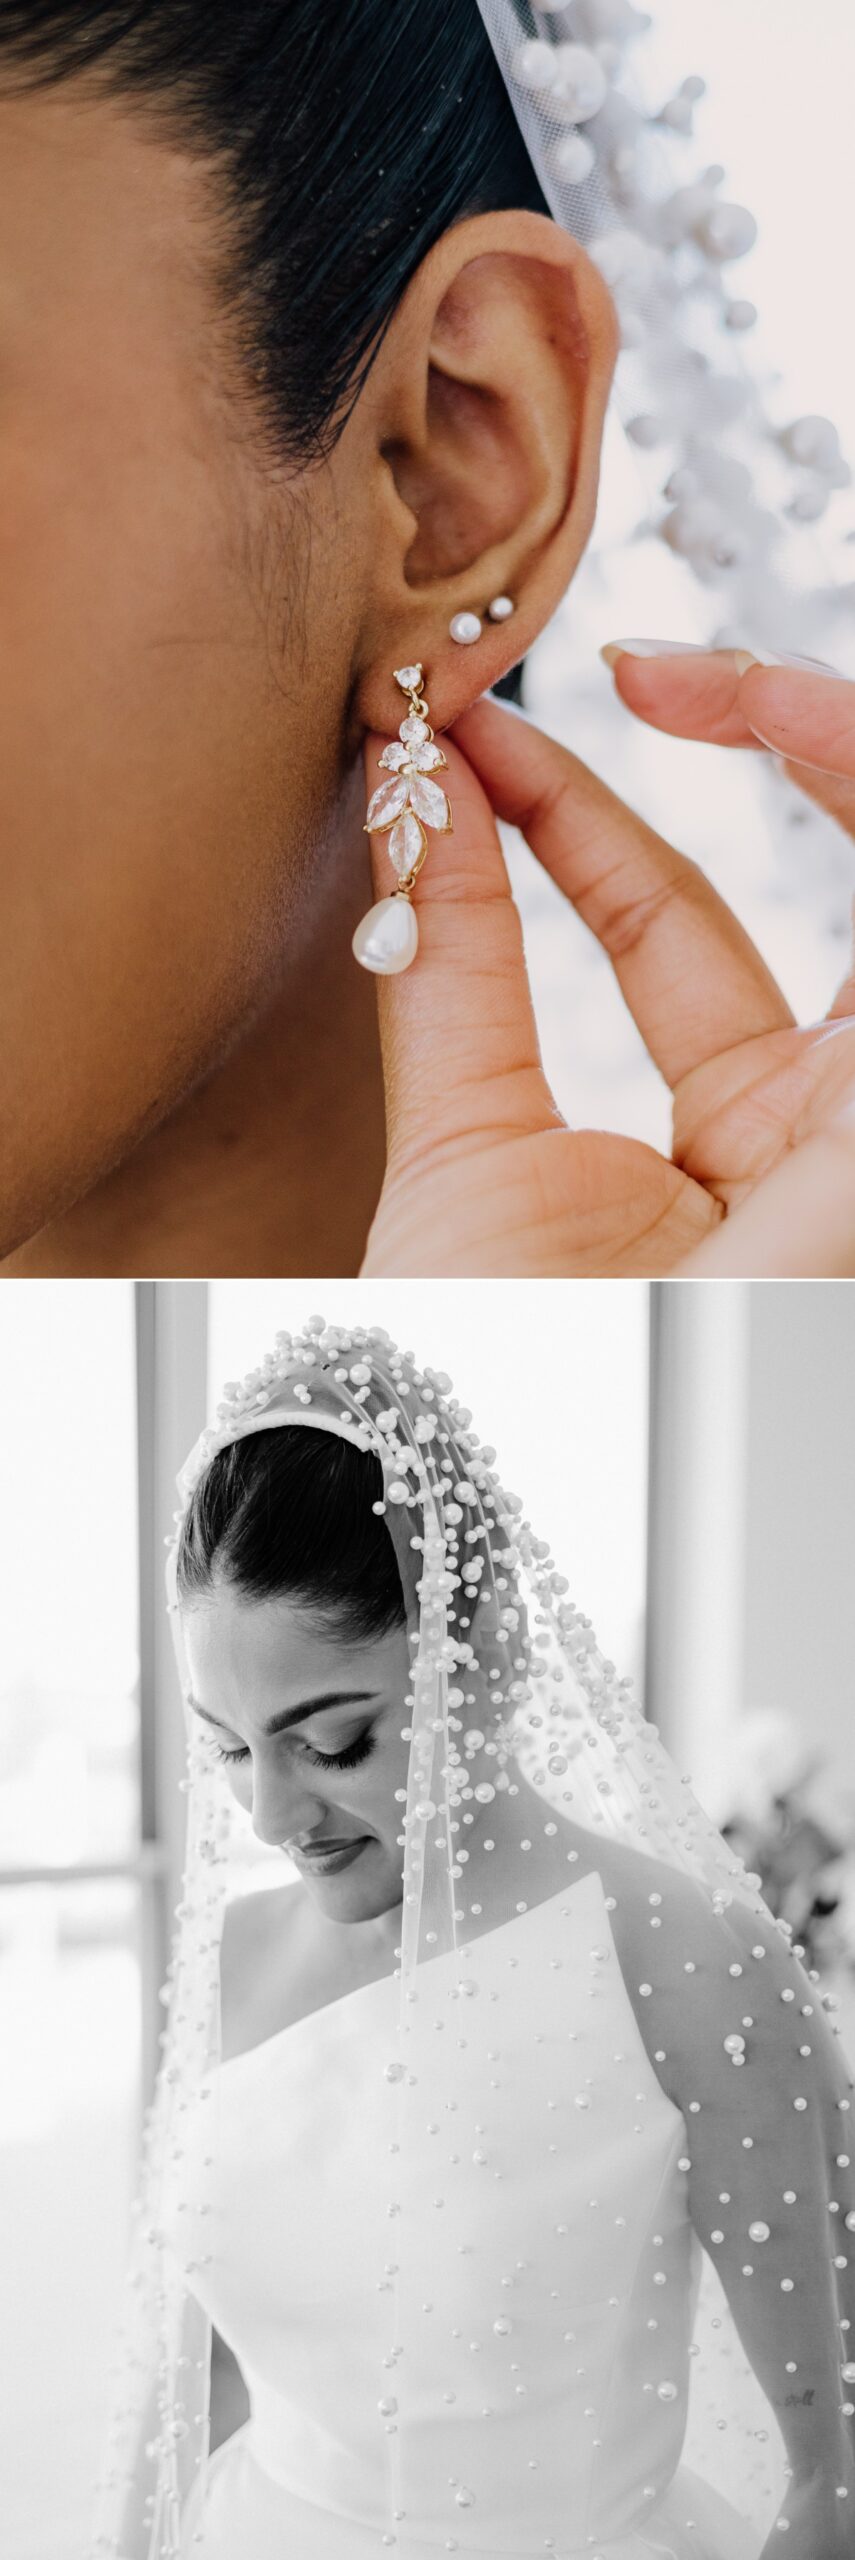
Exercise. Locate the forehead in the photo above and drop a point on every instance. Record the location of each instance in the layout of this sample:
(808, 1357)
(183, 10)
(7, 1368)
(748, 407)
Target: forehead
(261, 1656)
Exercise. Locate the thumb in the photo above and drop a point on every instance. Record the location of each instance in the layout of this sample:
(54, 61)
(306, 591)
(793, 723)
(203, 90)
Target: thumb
(799, 1222)
(457, 1030)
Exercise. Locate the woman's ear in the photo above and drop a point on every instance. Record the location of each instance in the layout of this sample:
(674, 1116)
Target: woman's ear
(478, 453)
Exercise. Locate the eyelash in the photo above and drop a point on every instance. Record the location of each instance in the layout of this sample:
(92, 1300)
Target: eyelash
(349, 1759)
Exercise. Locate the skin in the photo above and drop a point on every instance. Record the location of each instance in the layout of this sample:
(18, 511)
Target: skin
(195, 641)
(483, 1175)
(195, 645)
(255, 1661)
(252, 1662)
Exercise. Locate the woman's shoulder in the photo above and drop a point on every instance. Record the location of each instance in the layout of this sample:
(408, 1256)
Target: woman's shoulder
(253, 1917)
(258, 1950)
(635, 1884)
(640, 1889)
(672, 1925)
(690, 1961)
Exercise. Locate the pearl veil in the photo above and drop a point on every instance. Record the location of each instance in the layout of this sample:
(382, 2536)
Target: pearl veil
(746, 488)
(536, 1793)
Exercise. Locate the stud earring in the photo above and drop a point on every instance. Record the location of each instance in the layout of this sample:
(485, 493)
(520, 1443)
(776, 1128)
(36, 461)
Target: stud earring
(387, 938)
(466, 627)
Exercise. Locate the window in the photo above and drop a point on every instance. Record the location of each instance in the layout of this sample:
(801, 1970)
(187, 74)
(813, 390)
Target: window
(70, 1974)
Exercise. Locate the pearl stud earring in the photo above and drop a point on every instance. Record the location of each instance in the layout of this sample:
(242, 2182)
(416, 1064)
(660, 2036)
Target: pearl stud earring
(387, 939)
(466, 627)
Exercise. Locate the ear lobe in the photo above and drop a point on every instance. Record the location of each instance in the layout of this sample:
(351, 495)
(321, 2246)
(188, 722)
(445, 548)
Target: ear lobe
(496, 376)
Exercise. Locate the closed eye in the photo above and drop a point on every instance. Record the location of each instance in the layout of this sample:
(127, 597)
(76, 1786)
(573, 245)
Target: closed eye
(357, 1750)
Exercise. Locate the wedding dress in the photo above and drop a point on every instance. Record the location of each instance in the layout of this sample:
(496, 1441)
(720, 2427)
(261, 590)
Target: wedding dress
(578, 2204)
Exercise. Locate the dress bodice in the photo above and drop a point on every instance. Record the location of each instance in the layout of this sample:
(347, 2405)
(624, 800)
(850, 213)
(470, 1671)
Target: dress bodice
(510, 2211)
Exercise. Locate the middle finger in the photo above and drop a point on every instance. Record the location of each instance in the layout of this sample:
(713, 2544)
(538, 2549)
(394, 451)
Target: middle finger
(693, 979)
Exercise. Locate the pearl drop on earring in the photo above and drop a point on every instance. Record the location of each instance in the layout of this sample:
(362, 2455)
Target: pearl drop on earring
(500, 609)
(466, 627)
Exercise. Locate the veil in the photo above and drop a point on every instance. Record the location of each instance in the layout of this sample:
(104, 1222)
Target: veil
(748, 492)
(528, 1761)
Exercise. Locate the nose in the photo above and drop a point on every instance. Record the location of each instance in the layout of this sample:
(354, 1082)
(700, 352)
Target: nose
(283, 1809)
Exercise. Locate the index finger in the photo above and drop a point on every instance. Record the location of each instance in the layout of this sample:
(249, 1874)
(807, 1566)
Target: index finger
(457, 1029)
(809, 719)
(692, 978)
(688, 692)
(728, 698)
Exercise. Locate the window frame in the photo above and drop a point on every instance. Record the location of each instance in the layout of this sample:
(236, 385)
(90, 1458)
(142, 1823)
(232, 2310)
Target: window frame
(170, 1353)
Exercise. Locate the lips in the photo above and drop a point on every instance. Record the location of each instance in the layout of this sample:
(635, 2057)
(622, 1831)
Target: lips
(332, 1853)
(321, 1848)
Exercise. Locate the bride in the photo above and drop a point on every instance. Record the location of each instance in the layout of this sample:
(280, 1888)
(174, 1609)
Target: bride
(297, 370)
(507, 2149)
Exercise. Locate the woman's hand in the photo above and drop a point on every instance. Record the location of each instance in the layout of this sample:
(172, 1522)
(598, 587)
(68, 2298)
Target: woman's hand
(483, 1176)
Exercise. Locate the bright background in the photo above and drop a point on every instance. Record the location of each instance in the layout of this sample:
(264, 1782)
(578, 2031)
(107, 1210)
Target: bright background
(778, 118)
(70, 2004)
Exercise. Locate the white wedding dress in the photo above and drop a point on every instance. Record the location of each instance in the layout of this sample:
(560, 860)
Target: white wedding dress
(567, 2226)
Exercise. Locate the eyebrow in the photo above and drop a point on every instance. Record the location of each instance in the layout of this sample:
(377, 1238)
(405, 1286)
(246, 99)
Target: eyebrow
(294, 1715)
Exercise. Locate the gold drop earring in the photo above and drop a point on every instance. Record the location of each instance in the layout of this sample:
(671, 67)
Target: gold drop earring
(387, 939)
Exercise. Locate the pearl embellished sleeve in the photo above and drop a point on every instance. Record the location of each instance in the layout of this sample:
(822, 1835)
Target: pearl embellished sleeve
(740, 2040)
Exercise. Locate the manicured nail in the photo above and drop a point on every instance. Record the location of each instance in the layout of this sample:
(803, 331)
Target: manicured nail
(614, 649)
(745, 658)
(741, 659)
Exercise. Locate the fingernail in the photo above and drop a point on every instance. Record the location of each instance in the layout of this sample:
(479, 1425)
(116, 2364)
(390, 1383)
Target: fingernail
(745, 658)
(614, 649)
(741, 659)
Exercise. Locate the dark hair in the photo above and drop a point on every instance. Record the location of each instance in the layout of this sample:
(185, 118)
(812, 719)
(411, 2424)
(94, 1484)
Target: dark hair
(349, 137)
(289, 1512)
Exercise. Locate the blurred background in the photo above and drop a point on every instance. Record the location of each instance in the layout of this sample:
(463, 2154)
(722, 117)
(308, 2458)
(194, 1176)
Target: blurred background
(689, 1451)
(776, 118)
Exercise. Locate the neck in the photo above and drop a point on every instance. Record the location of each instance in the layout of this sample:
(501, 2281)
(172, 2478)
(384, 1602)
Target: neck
(273, 1165)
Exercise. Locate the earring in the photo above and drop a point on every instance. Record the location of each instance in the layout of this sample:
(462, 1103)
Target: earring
(466, 627)
(387, 939)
